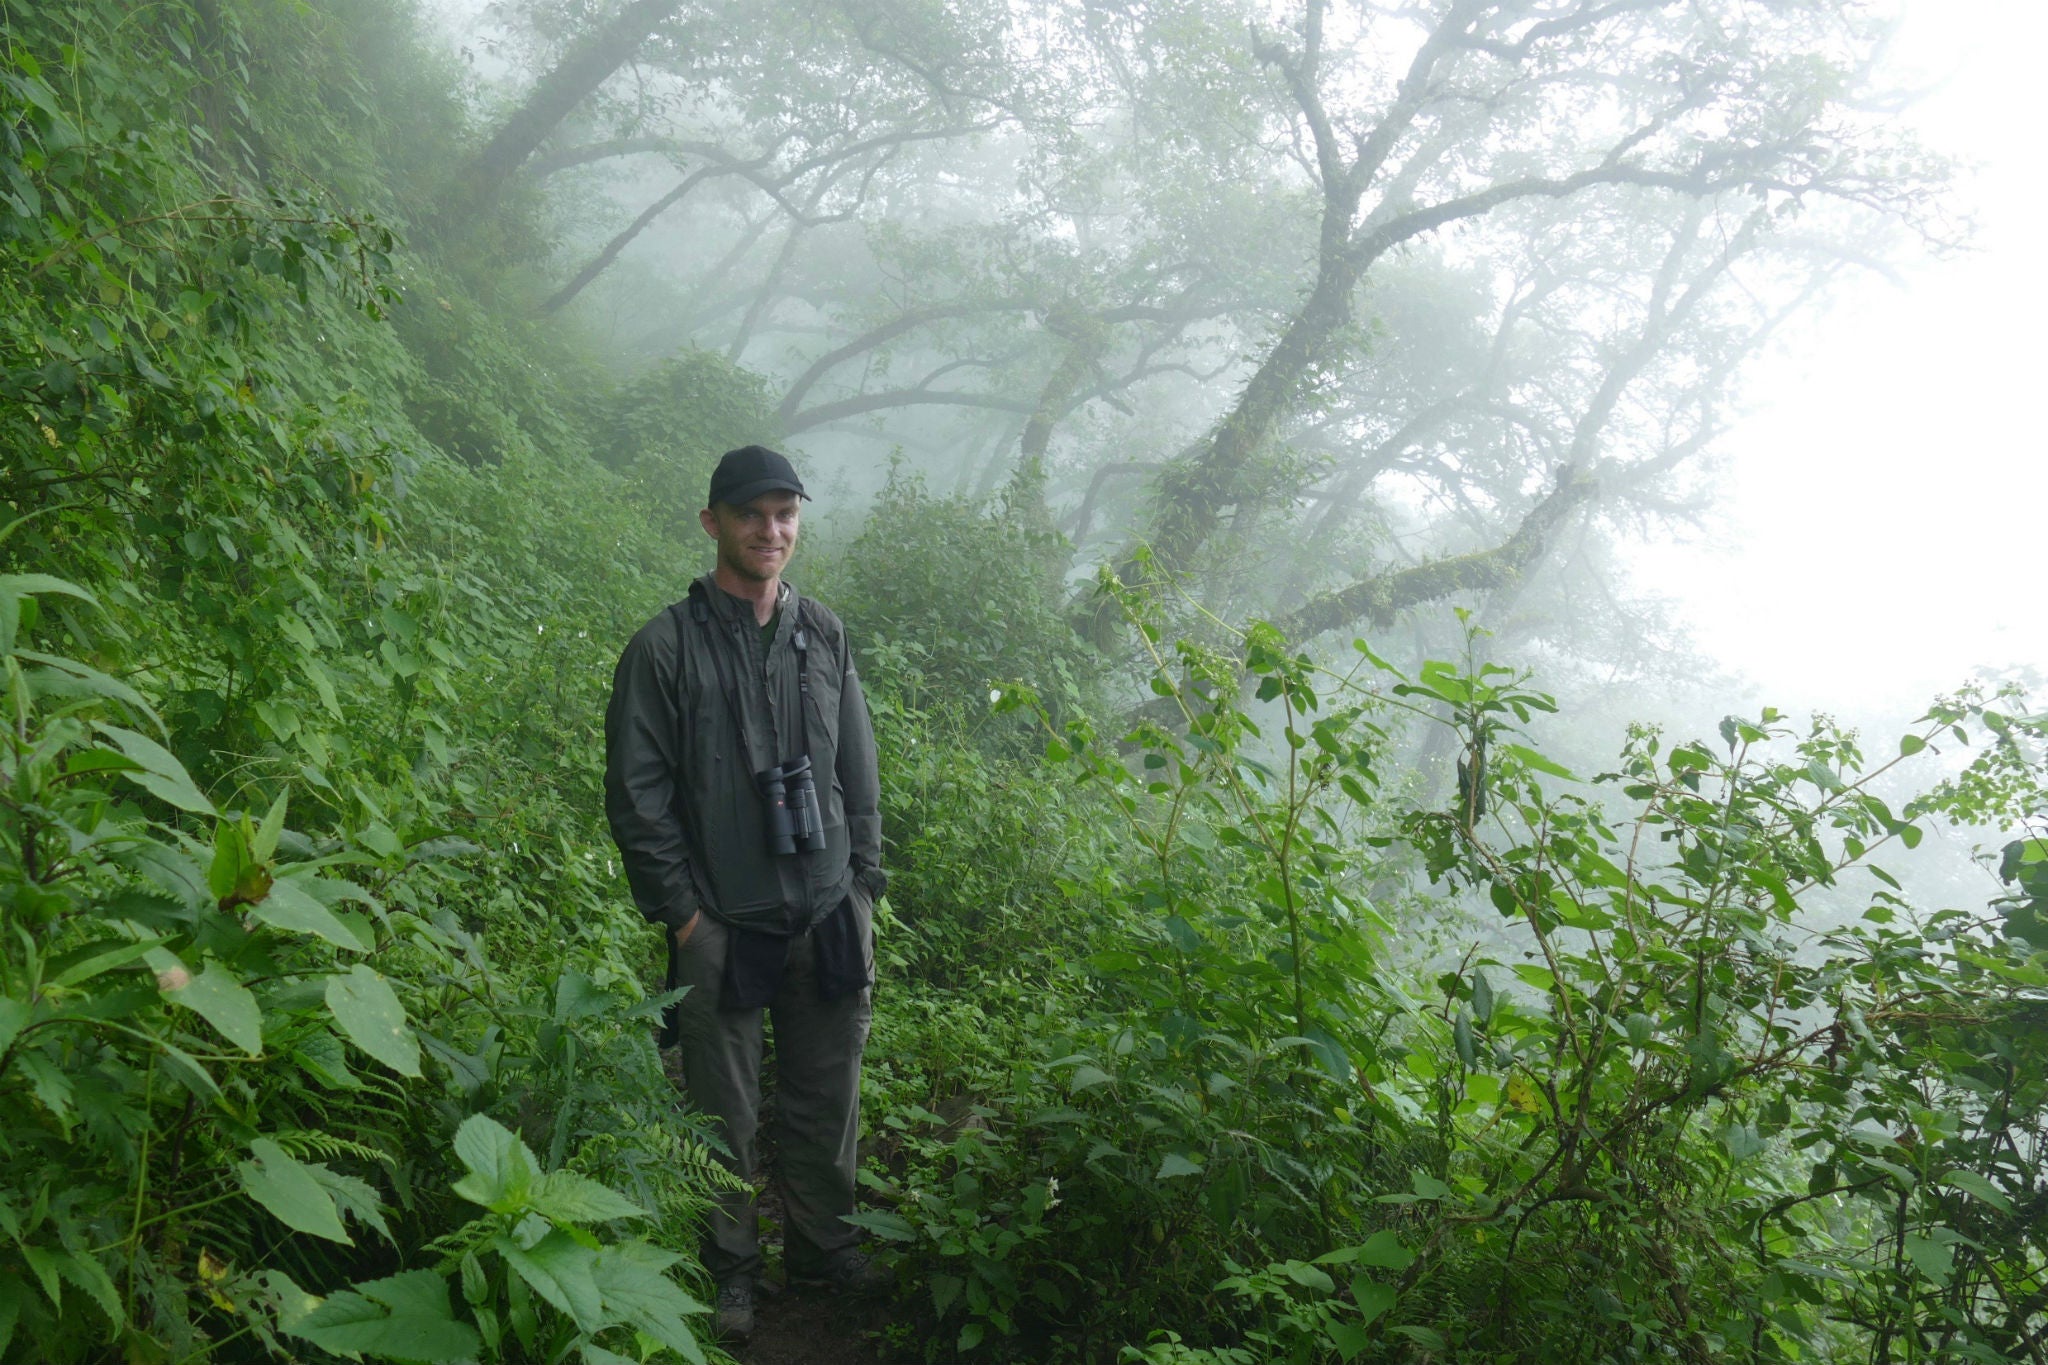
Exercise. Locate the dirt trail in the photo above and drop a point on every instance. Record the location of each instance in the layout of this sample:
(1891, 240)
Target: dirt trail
(815, 1329)
(797, 1327)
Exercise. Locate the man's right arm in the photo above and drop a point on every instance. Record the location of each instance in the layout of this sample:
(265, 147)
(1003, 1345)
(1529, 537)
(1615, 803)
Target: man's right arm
(640, 778)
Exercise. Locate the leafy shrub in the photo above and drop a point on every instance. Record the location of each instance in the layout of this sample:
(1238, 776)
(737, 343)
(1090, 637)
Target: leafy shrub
(1660, 1126)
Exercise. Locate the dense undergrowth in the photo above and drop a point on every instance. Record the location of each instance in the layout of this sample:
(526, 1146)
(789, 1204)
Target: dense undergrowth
(325, 1026)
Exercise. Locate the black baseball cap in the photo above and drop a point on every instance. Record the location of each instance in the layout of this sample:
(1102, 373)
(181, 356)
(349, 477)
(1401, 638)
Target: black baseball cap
(745, 474)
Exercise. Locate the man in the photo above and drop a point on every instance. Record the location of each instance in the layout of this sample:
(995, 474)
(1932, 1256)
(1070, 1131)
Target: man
(765, 890)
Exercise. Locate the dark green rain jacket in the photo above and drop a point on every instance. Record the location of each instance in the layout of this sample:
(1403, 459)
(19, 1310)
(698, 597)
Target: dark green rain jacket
(678, 788)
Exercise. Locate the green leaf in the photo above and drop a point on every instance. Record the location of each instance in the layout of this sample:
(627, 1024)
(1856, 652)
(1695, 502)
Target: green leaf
(272, 828)
(369, 1013)
(1427, 1186)
(187, 1071)
(503, 1174)
(355, 1199)
(405, 1318)
(216, 996)
(633, 1278)
(1384, 1250)
(30, 583)
(281, 1183)
(1931, 1258)
(1348, 1340)
(1176, 1165)
(1086, 1077)
(83, 964)
(558, 1267)
(578, 997)
(1977, 1187)
(1482, 997)
(1530, 758)
(890, 1225)
(14, 1014)
(161, 773)
(1310, 1277)
(89, 680)
(1372, 1297)
(289, 906)
(566, 1197)
(81, 1269)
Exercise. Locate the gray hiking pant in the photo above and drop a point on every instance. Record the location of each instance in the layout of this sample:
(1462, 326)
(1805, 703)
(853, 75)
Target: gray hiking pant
(817, 1095)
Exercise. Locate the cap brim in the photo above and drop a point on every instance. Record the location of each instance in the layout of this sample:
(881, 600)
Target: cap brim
(745, 493)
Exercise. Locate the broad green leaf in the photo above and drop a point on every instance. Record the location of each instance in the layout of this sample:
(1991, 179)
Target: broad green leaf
(1373, 1298)
(577, 997)
(633, 1278)
(1427, 1186)
(88, 680)
(1086, 1077)
(290, 907)
(1977, 1187)
(404, 1318)
(369, 1013)
(161, 773)
(52, 1266)
(281, 1183)
(83, 964)
(503, 1174)
(185, 1068)
(1482, 997)
(566, 1197)
(1530, 758)
(1931, 1258)
(216, 996)
(354, 1198)
(234, 873)
(1310, 1277)
(558, 1267)
(1348, 1340)
(1384, 1250)
(14, 1014)
(30, 583)
(293, 1303)
(890, 1225)
(1174, 1165)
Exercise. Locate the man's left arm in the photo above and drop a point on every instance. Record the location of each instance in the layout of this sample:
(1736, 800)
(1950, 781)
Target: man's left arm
(860, 778)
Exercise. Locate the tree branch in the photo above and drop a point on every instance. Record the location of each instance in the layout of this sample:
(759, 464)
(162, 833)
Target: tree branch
(1382, 597)
(581, 71)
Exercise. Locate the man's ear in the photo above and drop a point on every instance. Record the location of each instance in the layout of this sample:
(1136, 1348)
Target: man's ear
(708, 519)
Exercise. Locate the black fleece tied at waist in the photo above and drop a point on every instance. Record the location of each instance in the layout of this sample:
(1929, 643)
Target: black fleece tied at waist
(754, 961)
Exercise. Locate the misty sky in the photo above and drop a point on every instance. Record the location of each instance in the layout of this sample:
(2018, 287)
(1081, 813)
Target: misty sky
(1880, 531)
(1887, 505)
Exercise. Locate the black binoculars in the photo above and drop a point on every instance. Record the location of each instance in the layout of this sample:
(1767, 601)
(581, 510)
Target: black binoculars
(789, 799)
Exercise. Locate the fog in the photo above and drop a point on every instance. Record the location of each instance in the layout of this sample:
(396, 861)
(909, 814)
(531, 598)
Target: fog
(1878, 534)
(1842, 520)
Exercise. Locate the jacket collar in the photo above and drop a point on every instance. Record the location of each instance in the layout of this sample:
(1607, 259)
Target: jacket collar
(726, 607)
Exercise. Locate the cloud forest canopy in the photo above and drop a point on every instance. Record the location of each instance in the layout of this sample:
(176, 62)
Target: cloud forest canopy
(1293, 296)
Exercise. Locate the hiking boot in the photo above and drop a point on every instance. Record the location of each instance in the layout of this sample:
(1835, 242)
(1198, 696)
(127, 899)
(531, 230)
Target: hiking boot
(849, 1271)
(736, 1309)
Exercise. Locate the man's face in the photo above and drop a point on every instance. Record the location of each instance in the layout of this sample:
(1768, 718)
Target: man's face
(754, 541)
